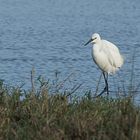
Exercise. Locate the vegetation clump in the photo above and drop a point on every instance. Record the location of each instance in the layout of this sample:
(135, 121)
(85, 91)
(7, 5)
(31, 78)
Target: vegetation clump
(41, 115)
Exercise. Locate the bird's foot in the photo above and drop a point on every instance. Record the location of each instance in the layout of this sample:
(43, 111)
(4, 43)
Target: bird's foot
(104, 90)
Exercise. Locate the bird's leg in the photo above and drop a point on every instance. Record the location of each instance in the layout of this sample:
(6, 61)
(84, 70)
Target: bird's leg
(106, 82)
(105, 89)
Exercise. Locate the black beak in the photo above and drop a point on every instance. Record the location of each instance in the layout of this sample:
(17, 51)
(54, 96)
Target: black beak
(88, 41)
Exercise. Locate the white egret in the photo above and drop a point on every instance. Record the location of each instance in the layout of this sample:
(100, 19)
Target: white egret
(106, 56)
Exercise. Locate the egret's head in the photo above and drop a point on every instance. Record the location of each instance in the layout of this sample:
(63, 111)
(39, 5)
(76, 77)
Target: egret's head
(94, 39)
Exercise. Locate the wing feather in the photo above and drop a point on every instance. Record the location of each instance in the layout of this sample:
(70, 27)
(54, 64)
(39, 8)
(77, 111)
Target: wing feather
(112, 52)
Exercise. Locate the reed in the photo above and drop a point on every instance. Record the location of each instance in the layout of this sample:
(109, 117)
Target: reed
(39, 114)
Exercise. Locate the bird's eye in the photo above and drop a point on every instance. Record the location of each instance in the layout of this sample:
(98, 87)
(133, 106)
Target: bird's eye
(95, 38)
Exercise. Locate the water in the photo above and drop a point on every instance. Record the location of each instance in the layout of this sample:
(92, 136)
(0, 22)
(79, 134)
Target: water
(49, 35)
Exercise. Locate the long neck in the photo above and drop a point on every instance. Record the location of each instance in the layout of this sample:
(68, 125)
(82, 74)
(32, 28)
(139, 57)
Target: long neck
(97, 47)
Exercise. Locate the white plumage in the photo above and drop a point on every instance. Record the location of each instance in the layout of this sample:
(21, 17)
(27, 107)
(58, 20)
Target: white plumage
(106, 55)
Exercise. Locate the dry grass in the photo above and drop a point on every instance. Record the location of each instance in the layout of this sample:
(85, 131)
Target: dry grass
(41, 116)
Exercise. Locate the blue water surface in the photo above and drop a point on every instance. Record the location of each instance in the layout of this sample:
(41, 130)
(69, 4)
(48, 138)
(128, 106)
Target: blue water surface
(49, 36)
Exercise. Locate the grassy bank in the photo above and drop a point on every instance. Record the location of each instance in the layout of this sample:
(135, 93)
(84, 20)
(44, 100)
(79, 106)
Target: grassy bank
(42, 116)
